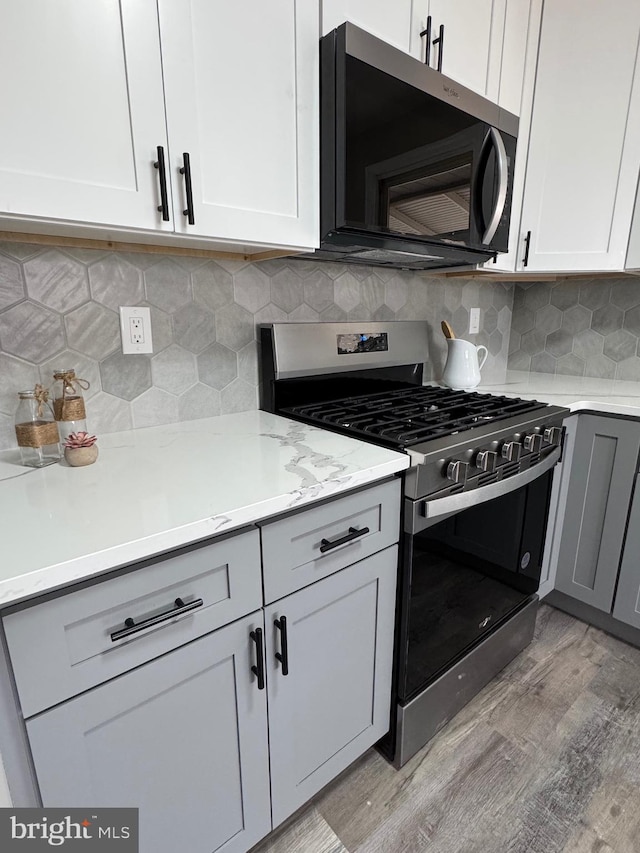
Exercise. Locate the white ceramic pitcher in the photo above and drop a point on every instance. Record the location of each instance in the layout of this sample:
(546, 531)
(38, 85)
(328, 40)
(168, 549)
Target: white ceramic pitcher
(462, 370)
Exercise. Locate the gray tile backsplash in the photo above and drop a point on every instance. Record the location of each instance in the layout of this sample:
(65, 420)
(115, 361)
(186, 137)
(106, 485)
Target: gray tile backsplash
(59, 308)
(577, 327)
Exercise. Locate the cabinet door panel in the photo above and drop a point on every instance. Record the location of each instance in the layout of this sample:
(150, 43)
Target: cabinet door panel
(390, 21)
(85, 112)
(241, 87)
(583, 163)
(627, 604)
(335, 701)
(472, 51)
(184, 739)
(601, 478)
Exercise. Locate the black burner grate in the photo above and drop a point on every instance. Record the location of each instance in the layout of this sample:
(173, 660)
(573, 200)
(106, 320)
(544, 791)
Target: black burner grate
(408, 416)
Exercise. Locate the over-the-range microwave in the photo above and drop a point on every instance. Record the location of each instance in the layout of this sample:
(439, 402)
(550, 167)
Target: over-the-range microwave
(415, 171)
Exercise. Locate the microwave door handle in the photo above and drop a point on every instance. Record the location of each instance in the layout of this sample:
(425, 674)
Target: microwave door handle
(494, 137)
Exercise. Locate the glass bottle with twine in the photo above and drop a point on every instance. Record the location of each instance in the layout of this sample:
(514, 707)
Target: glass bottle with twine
(36, 429)
(68, 402)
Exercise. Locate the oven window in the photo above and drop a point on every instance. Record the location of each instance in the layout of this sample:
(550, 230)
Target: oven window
(468, 574)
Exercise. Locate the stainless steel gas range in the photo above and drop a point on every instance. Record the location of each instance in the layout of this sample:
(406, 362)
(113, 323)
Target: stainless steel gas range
(476, 501)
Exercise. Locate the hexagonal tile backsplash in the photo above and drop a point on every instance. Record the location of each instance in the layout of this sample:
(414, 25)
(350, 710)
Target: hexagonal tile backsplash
(577, 327)
(59, 308)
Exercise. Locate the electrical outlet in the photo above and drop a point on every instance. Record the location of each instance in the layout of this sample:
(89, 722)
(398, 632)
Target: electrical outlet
(135, 328)
(474, 321)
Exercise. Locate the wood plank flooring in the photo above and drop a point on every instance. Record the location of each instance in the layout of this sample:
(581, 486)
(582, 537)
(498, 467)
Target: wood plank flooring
(546, 759)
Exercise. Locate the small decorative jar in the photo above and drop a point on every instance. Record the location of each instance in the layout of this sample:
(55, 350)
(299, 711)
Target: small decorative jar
(80, 449)
(68, 402)
(36, 429)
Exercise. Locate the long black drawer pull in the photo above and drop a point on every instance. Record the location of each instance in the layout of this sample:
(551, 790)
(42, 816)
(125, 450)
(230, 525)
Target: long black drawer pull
(283, 656)
(186, 171)
(131, 627)
(354, 533)
(258, 670)
(427, 32)
(527, 246)
(440, 42)
(163, 208)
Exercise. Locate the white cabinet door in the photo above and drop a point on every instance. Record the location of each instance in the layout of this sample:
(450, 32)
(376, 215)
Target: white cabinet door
(389, 20)
(333, 702)
(585, 137)
(241, 91)
(82, 111)
(517, 84)
(471, 46)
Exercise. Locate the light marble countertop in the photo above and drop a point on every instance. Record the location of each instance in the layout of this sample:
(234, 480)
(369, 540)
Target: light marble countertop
(162, 487)
(578, 393)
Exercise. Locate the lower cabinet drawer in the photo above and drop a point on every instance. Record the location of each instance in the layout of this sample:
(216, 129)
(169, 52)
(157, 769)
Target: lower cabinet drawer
(63, 646)
(314, 543)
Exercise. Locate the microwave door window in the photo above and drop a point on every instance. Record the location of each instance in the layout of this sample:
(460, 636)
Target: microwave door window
(426, 191)
(429, 204)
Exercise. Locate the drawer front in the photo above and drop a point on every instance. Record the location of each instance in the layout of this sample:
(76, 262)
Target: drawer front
(63, 646)
(305, 547)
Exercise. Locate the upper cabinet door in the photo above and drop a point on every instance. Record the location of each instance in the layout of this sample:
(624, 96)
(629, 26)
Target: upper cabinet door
(470, 51)
(583, 159)
(241, 93)
(82, 111)
(517, 84)
(389, 20)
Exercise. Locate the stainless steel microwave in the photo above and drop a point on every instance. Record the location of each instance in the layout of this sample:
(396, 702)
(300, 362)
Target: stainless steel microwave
(416, 171)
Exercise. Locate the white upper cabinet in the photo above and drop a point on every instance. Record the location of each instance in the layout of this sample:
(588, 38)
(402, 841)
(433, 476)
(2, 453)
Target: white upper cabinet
(466, 42)
(584, 148)
(481, 44)
(98, 87)
(517, 85)
(82, 111)
(241, 89)
(390, 20)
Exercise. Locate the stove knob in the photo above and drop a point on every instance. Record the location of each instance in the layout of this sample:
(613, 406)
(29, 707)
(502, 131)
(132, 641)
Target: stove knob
(553, 436)
(457, 471)
(511, 451)
(533, 442)
(486, 460)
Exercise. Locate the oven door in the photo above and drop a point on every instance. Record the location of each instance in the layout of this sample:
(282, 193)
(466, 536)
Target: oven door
(464, 575)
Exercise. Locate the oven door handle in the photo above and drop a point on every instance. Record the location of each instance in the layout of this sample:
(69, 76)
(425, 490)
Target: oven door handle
(474, 497)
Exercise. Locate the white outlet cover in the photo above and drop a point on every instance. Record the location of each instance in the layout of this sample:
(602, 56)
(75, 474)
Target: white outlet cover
(143, 315)
(474, 321)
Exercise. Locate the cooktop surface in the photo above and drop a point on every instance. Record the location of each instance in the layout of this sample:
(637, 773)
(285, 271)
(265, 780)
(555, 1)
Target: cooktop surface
(411, 415)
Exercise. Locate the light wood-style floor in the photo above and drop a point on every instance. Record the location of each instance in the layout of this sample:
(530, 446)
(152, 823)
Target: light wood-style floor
(545, 759)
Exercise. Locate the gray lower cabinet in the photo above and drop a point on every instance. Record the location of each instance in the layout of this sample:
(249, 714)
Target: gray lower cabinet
(217, 725)
(329, 700)
(183, 737)
(601, 478)
(627, 603)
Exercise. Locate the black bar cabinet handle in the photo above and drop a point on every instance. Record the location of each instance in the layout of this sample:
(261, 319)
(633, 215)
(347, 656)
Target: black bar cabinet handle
(440, 41)
(186, 171)
(354, 533)
(283, 655)
(527, 243)
(427, 32)
(132, 627)
(163, 207)
(258, 670)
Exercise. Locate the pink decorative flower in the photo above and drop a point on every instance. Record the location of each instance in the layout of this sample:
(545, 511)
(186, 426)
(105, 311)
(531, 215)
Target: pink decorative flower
(80, 439)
